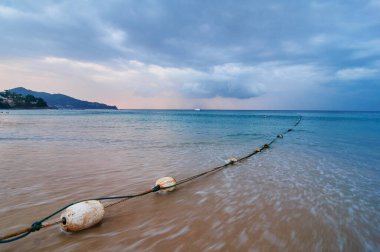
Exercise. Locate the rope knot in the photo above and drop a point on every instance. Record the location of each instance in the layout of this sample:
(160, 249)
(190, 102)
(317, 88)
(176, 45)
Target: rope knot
(156, 188)
(36, 226)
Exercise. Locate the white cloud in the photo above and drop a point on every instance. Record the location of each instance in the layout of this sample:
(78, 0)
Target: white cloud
(51, 13)
(292, 47)
(113, 37)
(365, 49)
(319, 39)
(12, 13)
(356, 73)
(374, 3)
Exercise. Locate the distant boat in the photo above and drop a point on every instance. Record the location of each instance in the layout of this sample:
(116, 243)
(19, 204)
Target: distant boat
(197, 109)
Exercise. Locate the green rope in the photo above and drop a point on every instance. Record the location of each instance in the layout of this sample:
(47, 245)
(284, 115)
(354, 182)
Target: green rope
(265, 146)
(17, 237)
(38, 224)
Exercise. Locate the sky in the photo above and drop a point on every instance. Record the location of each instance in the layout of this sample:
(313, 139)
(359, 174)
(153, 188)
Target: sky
(215, 54)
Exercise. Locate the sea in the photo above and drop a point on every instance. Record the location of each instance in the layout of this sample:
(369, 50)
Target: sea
(315, 189)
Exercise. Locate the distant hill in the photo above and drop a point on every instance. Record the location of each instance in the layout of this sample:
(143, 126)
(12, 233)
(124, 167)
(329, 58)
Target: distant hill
(61, 101)
(11, 100)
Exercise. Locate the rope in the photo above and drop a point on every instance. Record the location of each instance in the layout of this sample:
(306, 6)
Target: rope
(26, 231)
(36, 226)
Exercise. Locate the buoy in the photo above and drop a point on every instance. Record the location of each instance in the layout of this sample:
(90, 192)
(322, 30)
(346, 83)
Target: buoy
(82, 215)
(165, 182)
(280, 136)
(231, 160)
(258, 150)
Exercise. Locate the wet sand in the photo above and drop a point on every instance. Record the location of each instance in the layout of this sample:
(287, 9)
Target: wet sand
(279, 200)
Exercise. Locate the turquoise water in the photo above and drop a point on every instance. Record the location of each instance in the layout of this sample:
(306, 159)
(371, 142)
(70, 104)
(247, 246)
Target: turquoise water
(317, 189)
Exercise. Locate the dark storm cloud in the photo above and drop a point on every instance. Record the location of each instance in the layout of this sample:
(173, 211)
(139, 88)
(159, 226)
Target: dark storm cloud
(190, 33)
(211, 89)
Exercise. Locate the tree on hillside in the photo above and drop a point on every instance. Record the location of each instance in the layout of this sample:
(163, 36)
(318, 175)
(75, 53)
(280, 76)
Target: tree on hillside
(14, 100)
(30, 98)
(41, 103)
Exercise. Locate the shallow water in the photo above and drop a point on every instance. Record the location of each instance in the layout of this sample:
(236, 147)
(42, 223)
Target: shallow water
(315, 190)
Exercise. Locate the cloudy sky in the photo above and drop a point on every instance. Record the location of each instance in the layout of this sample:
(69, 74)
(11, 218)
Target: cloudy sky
(189, 54)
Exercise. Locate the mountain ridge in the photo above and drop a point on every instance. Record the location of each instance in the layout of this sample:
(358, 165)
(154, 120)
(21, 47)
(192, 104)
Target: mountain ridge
(61, 101)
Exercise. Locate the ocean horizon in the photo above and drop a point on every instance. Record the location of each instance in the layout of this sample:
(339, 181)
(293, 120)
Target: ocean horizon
(315, 189)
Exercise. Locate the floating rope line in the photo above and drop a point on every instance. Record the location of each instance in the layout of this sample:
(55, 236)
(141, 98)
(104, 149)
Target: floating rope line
(36, 226)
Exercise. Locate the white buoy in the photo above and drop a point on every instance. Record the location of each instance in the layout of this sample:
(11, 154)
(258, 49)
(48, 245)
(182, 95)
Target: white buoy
(165, 182)
(82, 215)
(231, 160)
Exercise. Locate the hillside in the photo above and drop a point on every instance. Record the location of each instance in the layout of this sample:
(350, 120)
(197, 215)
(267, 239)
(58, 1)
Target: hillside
(11, 100)
(61, 101)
